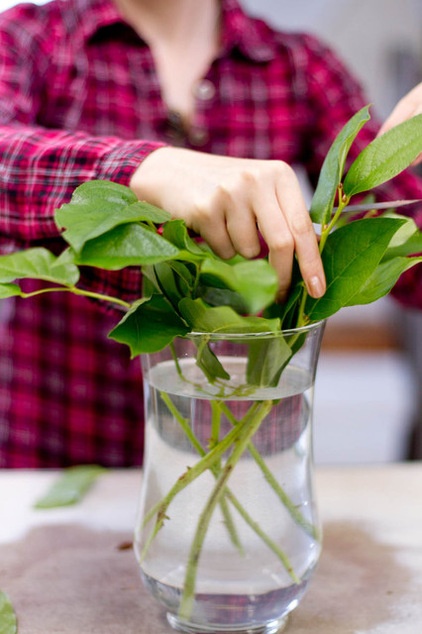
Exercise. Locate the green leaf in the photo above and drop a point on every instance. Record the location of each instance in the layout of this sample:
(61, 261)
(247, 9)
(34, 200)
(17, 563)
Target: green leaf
(350, 257)
(385, 157)
(174, 280)
(9, 290)
(288, 310)
(96, 207)
(126, 245)
(255, 281)
(382, 280)
(406, 241)
(185, 276)
(411, 247)
(222, 297)
(222, 319)
(71, 486)
(38, 263)
(266, 360)
(208, 362)
(149, 326)
(176, 232)
(332, 169)
(8, 620)
(64, 268)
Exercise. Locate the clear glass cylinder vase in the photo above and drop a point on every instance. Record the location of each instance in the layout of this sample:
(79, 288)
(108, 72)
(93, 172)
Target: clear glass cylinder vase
(227, 535)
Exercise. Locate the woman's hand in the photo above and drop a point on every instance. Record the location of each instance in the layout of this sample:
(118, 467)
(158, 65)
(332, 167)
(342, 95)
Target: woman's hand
(229, 201)
(409, 106)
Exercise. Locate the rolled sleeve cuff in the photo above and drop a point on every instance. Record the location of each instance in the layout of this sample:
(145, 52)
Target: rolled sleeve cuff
(119, 163)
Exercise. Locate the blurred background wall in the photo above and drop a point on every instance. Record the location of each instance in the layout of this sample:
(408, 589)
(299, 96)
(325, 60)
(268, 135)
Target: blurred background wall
(368, 392)
(379, 39)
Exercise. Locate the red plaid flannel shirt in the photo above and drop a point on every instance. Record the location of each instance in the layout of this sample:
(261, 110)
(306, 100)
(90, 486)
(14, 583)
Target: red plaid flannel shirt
(80, 100)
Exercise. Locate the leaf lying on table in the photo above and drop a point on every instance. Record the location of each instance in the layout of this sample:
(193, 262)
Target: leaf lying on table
(71, 486)
(8, 620)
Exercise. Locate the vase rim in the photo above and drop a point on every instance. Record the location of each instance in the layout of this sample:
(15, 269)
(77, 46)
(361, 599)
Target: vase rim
(316, 325)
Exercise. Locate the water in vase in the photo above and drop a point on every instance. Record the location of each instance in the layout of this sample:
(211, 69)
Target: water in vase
(259, 549)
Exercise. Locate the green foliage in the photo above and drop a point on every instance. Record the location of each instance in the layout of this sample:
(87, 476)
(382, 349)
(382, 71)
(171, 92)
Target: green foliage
(350, 258)
(188, 291)
(38, 263)
(252, 283)
(126, 245)
(267, 359)
(385, 157)
(187, 288)
(332, 169)
(149, 325)
(220, 319)
(8, 621)
(102, 206)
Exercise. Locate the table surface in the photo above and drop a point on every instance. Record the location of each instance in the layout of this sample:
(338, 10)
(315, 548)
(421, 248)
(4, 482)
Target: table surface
(72, 570)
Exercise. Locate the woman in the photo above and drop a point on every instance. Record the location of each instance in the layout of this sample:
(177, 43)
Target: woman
(202, 110)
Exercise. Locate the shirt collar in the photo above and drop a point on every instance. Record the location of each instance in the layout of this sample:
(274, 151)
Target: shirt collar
(90, 16)
(244, 33)
(239, 31)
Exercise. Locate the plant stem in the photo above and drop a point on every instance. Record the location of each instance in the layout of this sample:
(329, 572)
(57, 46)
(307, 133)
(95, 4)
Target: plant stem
(206, 462)
(272, 481)
(220, 407)
(184, 423)
(265, 538)
(250, 425)
(343, 200)
(301, 317)
(325, 232)
(214, 439)
(215, 423)
(78, 291)
(292, 508)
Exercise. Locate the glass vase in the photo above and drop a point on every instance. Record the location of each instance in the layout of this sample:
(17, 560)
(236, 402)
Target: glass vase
(227, 536)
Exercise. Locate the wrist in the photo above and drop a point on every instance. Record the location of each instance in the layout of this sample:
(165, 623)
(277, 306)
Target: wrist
(154, 172)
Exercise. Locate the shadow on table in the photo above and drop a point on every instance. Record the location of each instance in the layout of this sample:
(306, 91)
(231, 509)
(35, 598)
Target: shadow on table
(357, 587)
(70, 579)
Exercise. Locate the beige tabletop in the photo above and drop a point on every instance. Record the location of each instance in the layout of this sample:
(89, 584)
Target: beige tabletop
(72, 570)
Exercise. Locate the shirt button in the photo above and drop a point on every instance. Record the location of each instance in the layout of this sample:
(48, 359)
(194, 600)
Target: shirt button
(204, 90)
(198, 137)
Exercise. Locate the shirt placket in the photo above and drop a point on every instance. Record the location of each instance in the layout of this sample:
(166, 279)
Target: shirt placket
(205, 93)
(197, 134)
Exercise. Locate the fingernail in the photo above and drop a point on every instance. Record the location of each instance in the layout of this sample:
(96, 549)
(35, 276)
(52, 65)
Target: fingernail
(316, 287)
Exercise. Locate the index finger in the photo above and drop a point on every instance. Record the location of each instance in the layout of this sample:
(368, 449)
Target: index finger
(294, 209)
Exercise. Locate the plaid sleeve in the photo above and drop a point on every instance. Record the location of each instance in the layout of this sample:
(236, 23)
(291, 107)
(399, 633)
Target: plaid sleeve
(41, 166)
(39, 169)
